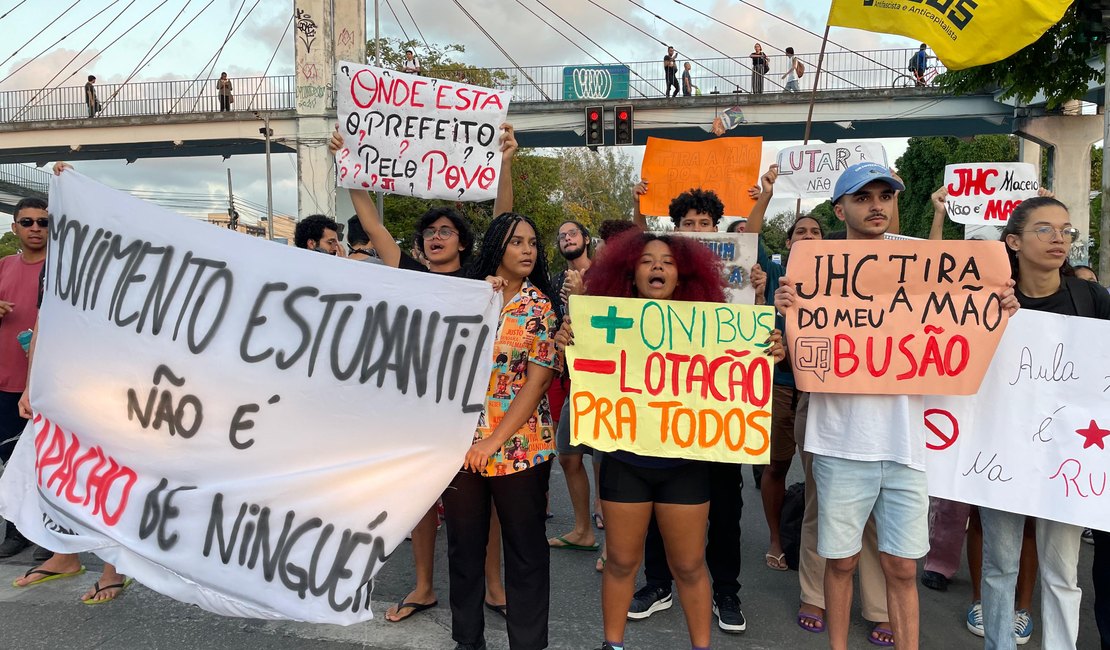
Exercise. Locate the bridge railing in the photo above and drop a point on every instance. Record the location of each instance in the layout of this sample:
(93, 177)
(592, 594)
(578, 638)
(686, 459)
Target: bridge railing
(842, 70)
(147, 98)
(27, 177)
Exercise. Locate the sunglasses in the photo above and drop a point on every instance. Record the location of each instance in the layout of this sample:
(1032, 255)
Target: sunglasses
(42, 222)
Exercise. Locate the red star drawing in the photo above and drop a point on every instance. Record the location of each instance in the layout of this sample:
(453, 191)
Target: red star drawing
(1093, 435)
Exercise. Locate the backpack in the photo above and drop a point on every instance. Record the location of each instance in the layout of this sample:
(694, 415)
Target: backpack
(911, 66)
(790, 525)
(799, 67)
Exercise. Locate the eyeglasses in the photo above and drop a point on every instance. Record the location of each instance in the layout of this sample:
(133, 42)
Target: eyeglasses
(568, 234)
(443, 233)
(42, 222)
(1048, 233)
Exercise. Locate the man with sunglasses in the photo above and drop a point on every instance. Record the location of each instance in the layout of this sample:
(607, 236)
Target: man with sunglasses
(19, 288)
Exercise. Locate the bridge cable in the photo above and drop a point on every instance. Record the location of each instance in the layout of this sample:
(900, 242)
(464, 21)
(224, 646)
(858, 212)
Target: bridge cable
(813, 33)
(262, 80)
(216, 56)
(143, 61)
(398, 19)
(211, 61)
(82, 51)
(12, 9)
(416, 24)
(501, 49)
(739, 31)
(70, 33)
(598, 46)
(174, 37)
(30, 40)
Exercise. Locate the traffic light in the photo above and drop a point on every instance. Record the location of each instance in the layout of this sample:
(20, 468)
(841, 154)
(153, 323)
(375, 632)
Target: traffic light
(595, 126)
(1090, 27)
(622, 125)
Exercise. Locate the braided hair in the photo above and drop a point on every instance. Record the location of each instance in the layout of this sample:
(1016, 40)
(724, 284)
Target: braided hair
(493, 246)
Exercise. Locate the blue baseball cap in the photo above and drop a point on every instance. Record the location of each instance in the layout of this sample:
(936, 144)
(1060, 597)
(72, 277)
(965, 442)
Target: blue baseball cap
(861, 174)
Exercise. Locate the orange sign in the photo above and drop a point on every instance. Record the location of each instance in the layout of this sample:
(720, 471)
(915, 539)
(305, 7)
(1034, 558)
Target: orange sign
(895, 317)
(728, 166)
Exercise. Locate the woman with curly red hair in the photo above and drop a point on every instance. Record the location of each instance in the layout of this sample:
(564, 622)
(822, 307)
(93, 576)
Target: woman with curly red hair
(656, 267)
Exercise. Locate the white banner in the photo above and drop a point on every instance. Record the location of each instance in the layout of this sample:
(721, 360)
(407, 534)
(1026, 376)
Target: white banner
(245, 426)
(1034, 440)
(418, 136)
(986, 193)
(810, 171)
(738, 252)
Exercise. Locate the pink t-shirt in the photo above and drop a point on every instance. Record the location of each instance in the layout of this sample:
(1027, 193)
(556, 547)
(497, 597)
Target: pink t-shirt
(19, 285)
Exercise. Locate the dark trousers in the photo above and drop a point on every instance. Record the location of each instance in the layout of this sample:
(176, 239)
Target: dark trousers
(11, 425)
(672, 82)
(722, 547)
(225, 103)
(521, 502)
(1100, 572)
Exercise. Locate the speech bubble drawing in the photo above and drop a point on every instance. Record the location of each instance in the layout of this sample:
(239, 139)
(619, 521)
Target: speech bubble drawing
(813, 353)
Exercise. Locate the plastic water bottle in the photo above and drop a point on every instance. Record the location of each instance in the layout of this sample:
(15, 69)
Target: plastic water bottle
(24, 339)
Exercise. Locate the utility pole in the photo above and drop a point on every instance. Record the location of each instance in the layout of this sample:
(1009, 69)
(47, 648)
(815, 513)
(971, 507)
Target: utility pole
(265, 130)
(232, 213)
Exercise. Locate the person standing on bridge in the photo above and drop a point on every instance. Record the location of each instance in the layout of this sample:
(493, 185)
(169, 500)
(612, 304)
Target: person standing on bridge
(90, 97)
(793, 73)
(670, 72)
(411, 64)
(223, 87)
(760, 66)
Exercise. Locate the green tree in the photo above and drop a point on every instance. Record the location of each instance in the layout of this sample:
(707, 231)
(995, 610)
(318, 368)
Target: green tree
(9, 244)
(922, 169)
(438, 61)
(774, 232)
(1055, 64)
(1096, 208)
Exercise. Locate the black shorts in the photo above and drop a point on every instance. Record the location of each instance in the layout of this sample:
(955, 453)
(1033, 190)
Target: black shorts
(622, 482)
(11, 425)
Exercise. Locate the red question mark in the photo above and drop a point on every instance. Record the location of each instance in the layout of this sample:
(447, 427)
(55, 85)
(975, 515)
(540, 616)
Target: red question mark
(358, 168)
(342, 173)
(373, 179)
(404, 147)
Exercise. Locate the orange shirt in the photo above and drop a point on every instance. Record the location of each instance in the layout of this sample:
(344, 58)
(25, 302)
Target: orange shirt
(525, 335)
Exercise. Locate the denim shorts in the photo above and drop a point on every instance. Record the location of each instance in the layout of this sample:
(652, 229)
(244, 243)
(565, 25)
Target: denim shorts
(849, 491)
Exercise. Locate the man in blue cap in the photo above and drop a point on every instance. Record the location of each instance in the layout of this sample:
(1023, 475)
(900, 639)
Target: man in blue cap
(868, 453)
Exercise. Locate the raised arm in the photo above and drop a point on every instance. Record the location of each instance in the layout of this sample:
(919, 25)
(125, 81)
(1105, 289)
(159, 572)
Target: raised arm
(938, 198)
(766, 192)
(504, 201)
(895, 226)
(638, 217)
(380, 238)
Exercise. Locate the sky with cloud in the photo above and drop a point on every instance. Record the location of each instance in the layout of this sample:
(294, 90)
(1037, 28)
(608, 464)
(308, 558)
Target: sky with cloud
(60, 42)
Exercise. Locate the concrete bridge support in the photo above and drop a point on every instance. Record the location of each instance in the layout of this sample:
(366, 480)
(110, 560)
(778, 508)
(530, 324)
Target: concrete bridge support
(1071, 138)
(325, 31)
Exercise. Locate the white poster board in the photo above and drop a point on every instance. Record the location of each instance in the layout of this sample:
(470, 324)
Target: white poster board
(1036, 438)
(986, 193)
(810, 171)
(738, 252)
(235, 423)
(418, 136)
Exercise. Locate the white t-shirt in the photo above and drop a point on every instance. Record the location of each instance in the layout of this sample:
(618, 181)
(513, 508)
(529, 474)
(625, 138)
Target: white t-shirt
(867, 427)
(792, 73)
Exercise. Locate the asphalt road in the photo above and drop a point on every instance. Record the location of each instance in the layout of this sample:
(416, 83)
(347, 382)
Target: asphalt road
(51, 616)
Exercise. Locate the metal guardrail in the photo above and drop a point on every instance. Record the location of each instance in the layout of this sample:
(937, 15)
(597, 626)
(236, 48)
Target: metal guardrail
(147, 98)
(842, 70)
(24, 176)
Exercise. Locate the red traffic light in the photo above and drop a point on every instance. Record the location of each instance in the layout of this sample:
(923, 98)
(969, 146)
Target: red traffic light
(622, 115)
(594, 115)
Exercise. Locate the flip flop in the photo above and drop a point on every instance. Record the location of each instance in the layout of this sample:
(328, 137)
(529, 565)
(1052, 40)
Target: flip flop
(415, 607)
(776, 562)
(47, 576)
(502, 610)
(600, 564)
(817, 624)
(881, 642)
(599, 521)
(561, 542)
(96, 585)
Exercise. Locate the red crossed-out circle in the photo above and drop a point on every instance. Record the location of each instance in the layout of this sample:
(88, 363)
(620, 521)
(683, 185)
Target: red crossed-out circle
(944, 435)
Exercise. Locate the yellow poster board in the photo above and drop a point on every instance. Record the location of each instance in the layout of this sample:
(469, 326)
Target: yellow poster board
(672, 379)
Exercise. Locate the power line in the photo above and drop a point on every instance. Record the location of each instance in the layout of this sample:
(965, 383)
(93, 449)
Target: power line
(502, 50)
(30, 40)
(598, 46)
(67, 35)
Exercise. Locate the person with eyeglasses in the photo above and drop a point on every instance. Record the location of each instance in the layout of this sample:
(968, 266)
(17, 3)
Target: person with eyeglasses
(19, 287)
(445, 239)
(1038, 237)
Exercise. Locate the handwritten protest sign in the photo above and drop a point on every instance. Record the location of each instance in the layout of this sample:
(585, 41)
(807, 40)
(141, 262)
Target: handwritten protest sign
(986, 193)
(738, 252)
(728, 166)
(895, 317)
(232, 422)
(1035, 439)
(810, 171)
(672, 379)
(424, 137)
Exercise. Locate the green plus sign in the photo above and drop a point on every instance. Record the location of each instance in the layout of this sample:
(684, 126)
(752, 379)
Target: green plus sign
(610, 323)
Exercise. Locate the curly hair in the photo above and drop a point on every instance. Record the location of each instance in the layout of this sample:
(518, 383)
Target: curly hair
(612, 227)
(312, 228)
(493, 246)
(466, 234)
(1019, 218)
(699, 271)
(698, 200)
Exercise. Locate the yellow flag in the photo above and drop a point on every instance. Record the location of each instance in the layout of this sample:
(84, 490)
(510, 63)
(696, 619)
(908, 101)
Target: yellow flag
(963, 33)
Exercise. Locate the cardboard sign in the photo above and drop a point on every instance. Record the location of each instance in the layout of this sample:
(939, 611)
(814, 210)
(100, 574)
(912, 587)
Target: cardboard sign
(728, 166)
(671, 379)
(810, 171)
(986, 193)
(738, 252)
(895, 317)
(419, 136)
(231, 421)
(1036, 438)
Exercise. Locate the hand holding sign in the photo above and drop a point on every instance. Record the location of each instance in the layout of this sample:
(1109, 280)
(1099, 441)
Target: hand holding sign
(728, 166)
